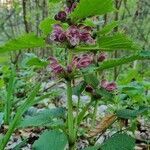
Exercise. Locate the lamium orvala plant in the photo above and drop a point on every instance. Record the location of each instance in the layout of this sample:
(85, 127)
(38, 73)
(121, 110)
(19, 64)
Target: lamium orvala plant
(86, 46)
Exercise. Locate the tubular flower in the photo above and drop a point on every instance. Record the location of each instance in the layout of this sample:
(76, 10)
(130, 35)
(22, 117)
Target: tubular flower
(55, 66)
(58, 34)
(109, 86)
(85, 35)
(73, 35)
(82, 61)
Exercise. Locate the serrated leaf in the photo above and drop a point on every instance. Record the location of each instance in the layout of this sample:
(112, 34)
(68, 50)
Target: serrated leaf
(129, 114)
(108, 28)
(35, 61)
(25, 41)
(124, 60)
(89, 8)
(116, 42)
(43, 118)
(119, 142)
(47, 25)
(55, 140)
(92, 80)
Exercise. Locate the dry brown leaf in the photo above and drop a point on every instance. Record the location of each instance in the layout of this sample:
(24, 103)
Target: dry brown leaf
(103, 125)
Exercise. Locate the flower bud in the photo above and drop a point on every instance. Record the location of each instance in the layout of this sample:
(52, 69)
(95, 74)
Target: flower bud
(111, 87)
(101, 57)
(69, 69)
(85, 61)
(89, 89)
(61, 16)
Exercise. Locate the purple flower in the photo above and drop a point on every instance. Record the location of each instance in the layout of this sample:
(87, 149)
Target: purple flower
(58, 34)
(101, 57)
(73, 35)
(85, 35)
(55, 66)
(109, 86)
(61, 16)
(82, 61)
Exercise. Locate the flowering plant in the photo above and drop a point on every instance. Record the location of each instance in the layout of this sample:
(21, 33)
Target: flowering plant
(77, 30)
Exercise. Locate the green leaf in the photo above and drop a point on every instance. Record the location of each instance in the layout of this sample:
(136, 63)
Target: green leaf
(129, 114)
(43, 118)
(96, 147)
(55, 140)
(25, 41)
(36, 62)
(108, 28)
(120, 61)
(9, 97)
(92, 80)
(77, 90)
(104, 93)
(89, 8)
(119, 142)
(116, 42)
(47, 25)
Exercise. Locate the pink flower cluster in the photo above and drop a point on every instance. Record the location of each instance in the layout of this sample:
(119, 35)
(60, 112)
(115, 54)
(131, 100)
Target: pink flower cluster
(79, 62)
(74, 35)
(109, 86)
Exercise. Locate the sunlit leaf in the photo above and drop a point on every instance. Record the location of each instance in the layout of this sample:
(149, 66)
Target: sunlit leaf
(55, 140)
(25, 41)
(89, 8)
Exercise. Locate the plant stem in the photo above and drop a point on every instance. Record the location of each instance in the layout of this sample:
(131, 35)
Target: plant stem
(70, 112)
(95, 112)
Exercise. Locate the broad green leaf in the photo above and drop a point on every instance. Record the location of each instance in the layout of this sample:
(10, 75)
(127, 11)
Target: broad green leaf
(104, 93)
(36, 62)
(120, 61)
(47, 25)
(89, 8)
(108, 28)
(25, 41)
(119, 142)
(129, 114)
(92, 80)
(54, 139)
(77, 90)
(44, 118)
(118, 41)
(96, 147)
